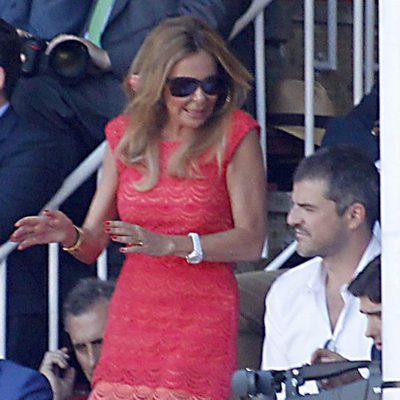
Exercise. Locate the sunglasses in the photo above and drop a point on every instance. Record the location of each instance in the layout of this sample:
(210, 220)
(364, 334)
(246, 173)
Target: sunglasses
(183, 86)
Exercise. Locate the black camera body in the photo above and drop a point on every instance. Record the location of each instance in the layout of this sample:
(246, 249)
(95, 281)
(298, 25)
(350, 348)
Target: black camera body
(69, 60)
(32, 51)
(249, 383)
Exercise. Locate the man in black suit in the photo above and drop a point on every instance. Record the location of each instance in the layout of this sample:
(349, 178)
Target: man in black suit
(33, 165)
(83, 109)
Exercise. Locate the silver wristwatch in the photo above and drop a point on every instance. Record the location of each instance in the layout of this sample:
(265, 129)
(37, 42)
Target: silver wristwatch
(196, 256)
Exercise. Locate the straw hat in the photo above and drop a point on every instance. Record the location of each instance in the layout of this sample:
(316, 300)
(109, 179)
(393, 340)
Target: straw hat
(286, 108)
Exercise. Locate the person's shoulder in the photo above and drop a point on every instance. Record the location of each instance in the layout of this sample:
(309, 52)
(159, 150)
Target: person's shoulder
(241, 124)
(119, 122)
(116, 128)
(8, 367)
(15, 377)
(241, 119)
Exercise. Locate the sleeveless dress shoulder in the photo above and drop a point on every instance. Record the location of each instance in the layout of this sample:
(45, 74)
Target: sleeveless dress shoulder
(172, 326)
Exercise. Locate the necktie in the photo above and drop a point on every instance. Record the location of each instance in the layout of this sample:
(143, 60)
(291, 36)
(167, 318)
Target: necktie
(98, 20)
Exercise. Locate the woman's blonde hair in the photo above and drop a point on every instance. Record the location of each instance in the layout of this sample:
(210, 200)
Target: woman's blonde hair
(170, 42)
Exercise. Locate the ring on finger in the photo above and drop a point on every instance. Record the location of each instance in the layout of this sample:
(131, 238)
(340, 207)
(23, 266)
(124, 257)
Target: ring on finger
(138, 243)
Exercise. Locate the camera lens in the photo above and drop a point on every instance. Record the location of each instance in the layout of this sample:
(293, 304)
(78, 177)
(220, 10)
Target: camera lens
(69, 59)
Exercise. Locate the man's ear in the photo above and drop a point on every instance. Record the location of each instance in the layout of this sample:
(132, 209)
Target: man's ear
(356, 215)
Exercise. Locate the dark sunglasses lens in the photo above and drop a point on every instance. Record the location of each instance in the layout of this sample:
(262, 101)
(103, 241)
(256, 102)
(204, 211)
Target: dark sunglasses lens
(181, 87)
(212, 85)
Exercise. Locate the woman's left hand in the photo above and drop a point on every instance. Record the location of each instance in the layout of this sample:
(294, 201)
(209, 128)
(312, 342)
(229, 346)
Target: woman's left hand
(137, 239)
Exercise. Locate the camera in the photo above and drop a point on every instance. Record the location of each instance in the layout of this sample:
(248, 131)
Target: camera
(247, 383)
(69, 60)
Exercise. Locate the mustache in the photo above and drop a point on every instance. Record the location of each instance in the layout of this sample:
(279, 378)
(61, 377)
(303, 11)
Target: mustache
(300, 229)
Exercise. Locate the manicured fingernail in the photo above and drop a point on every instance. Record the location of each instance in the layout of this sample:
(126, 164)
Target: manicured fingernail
(114, 237)
(107, 223)
(107, 230)
(122, 250)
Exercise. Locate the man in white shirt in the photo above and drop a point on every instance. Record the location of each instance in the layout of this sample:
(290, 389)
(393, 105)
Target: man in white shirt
(335, 205)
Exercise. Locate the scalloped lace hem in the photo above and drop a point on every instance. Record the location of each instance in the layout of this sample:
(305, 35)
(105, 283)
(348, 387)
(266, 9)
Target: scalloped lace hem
(120, 391)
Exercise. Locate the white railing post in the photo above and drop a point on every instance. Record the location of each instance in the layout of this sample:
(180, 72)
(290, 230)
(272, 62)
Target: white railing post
(260, 80)
(369, 44)
(102, 266)
(53, 295)
(330, 64)
(358, 89)
(309, 76)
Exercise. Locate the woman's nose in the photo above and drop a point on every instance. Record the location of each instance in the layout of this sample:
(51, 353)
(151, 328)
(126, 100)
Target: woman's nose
(199, 94)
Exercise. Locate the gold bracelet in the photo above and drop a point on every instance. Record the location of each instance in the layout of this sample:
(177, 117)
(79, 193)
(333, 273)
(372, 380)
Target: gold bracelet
(78, 242)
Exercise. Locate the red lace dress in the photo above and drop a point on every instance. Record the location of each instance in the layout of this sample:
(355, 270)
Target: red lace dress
(172, 327)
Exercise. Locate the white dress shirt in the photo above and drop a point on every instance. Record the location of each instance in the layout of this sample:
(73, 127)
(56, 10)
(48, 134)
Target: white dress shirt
(297, 320)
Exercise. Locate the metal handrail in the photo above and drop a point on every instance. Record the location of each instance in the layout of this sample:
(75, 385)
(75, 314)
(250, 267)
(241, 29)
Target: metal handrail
(84, 170)
(71, 183)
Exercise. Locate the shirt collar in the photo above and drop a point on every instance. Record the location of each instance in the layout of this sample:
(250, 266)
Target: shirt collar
(373, 249)
(316, 281)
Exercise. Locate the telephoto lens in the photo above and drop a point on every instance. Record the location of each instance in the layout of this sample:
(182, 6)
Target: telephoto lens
(69, 60)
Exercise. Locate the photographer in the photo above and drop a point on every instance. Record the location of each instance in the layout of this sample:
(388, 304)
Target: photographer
(112, 35)
(33, 164)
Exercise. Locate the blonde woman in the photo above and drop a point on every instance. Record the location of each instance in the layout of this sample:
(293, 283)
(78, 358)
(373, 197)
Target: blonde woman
(183, 191)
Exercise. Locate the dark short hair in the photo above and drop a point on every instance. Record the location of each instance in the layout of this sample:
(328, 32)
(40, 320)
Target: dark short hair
(351, 177)
(10, 56)
(368, 282)
(85, 295)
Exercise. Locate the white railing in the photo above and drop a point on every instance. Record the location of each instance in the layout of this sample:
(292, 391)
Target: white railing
(330, 63)
(71, 183)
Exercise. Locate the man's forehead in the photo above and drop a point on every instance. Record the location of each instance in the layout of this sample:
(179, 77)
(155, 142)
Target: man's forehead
(313, 188)
(88, 326)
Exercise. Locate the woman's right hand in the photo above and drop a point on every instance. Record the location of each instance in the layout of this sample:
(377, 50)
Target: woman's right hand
(48, 227)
